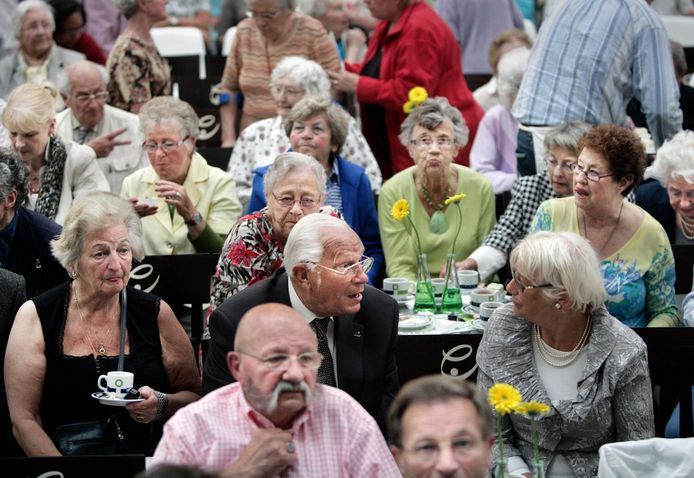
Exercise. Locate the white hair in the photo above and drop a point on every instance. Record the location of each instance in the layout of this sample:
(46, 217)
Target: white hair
(566, 261)
(63, 81)
(674, 158)
(309, 74)
(511, 69)
(308, 239)
(25, 7)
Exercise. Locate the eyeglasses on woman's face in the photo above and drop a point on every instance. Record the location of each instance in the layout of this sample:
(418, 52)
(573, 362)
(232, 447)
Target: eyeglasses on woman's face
(591, 174)
(522, 287)
(286, 200)
(167, 146)
(425, 142)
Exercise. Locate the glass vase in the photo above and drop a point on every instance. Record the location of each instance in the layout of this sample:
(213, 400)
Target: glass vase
(424, 291)
(538, 468)
(502, 469)
(451, 302)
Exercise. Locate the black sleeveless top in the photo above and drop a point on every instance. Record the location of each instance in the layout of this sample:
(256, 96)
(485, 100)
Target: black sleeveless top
(70, 381)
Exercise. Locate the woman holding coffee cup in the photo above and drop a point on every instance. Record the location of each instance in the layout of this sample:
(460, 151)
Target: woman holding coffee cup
(64, 339)
(558, 345)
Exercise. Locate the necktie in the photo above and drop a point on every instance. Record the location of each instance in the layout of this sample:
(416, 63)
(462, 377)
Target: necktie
(82, 134)
(326, 372)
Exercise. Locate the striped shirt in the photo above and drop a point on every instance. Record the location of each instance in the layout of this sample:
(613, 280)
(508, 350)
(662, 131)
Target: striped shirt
(334, 437)
(332, 189)
(590, 58)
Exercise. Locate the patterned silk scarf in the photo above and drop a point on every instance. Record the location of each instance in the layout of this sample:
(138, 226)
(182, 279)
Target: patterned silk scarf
(52, 178)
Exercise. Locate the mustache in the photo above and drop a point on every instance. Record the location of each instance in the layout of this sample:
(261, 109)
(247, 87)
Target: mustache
(286, 386)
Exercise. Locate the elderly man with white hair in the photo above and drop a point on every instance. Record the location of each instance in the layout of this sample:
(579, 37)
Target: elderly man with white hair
(277, 420)
(112, 133)
(37, 58)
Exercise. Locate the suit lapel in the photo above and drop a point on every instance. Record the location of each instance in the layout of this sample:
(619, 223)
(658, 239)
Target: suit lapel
(349, 342)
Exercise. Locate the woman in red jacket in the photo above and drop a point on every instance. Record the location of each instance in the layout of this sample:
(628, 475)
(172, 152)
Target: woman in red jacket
(411, 46)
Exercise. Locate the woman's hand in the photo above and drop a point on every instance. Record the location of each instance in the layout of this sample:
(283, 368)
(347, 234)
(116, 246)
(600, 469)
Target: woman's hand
(176, 195)
(343, 81)
(143, 209)
(145, 411)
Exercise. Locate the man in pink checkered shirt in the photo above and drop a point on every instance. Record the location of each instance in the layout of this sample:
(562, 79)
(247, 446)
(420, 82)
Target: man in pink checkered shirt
(276, 420)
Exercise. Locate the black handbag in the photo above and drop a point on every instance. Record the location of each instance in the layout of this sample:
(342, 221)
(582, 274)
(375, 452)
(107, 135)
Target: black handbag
(99, 437)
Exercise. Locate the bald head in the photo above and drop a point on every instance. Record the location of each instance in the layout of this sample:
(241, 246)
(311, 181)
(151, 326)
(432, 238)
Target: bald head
(83, 69)
(256, 324)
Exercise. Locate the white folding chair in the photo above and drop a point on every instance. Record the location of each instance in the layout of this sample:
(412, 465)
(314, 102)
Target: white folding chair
(653, 458)
(228, 41)
(181, 41)
(680, 28)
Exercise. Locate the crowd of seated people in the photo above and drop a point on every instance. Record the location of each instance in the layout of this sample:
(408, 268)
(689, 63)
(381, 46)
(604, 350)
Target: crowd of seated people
(334, 117)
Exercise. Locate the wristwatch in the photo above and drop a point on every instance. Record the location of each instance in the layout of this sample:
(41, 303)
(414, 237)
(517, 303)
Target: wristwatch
(195, 220)
(173, 21)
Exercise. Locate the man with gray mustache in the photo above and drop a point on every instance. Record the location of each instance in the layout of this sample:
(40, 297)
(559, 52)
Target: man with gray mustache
(275, 419)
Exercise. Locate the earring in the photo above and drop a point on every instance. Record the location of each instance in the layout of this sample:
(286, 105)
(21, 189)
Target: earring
(557, 306)
(74, 274)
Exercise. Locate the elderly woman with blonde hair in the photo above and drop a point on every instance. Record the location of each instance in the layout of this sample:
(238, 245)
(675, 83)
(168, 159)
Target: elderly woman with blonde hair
(64, 339)
(670, 199)
(58, 171)
(558, 345)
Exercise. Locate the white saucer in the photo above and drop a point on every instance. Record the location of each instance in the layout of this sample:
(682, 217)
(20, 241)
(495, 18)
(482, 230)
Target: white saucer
(414, 322)
(405, 299)
(468, 310)
(114, 402)
(479, 323)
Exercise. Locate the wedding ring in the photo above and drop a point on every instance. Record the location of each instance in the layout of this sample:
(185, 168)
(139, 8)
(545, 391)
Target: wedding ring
(178, 195)
(139, 418)
(290, 447)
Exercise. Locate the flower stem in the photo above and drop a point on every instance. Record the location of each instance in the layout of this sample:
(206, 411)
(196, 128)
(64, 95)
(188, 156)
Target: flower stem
(416, 235)
(500, 439)
(457, 232)
(536, 447)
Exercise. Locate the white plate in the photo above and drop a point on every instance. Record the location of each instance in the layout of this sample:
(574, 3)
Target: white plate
(415, 322)
(114, 402)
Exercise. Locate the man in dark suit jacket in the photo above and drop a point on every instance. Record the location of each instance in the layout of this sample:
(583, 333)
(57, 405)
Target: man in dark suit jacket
(25, 235)
(324, 278)
(12, 296)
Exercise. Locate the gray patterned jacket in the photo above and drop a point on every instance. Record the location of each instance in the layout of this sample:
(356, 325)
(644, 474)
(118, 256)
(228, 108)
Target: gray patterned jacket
(614, 401)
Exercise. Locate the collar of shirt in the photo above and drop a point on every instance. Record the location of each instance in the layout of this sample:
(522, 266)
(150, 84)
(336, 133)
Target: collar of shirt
(95, 131)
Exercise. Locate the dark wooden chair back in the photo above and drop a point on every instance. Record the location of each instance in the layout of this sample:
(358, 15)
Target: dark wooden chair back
(684, 261)
(179, 279)
(216, 156)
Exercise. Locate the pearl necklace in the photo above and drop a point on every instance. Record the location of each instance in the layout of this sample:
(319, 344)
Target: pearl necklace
(560, 359)
(100, 350)
(686, 228)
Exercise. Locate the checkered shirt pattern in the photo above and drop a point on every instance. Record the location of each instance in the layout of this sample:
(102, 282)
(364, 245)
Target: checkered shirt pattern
(526, 196)
(334, 437)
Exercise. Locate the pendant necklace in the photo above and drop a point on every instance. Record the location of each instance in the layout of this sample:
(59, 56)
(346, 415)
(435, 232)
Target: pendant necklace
(99, 350)
(609, 238)
(687, 228)
(560, 359)
(437, 222)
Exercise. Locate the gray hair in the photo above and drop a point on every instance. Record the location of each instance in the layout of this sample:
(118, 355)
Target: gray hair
(309, 74)
(679, 58)
(64, 78)
(127, 7)
(674, 158)
(566, 261)
(169, 110)
(436, 389)
(13, 176)
(310, 106)
(291, 161)
(314, 8)
(90, 213)
(25, 7)
(308, 239)
(283, 4)
(430, 115)
(511, 69)
(567, 135)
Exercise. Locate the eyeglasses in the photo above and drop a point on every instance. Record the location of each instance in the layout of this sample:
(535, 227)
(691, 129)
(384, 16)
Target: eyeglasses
(591, 174)
(85, 97)
(566, 164)
(36, 26)
(262, 15)
(428, 453)
(425, 142)
(364, 263)
(166, 146)
(289, 201)
(522, 287)
(281, 362)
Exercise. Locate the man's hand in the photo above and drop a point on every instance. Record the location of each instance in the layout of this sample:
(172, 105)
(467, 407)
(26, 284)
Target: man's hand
(104, 144)
(267, 454)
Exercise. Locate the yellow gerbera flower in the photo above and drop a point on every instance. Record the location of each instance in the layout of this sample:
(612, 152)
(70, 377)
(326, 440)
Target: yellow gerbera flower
(533, 409)
(453, 199)
(400, 209)
(418, 95)
(407, 107)
(504, 398)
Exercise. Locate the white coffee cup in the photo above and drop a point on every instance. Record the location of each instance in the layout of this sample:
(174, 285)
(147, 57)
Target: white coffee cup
(439, 285)
(397, 287)
(468, 281)
(480, 296)
(487, 309)
(117, 383)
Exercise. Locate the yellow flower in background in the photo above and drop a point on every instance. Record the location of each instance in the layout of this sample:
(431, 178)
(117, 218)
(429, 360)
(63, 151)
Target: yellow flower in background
(407, 107)
(504, 398)
(454, 199)
(533, 409)
(418, 95)
(400, 209)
